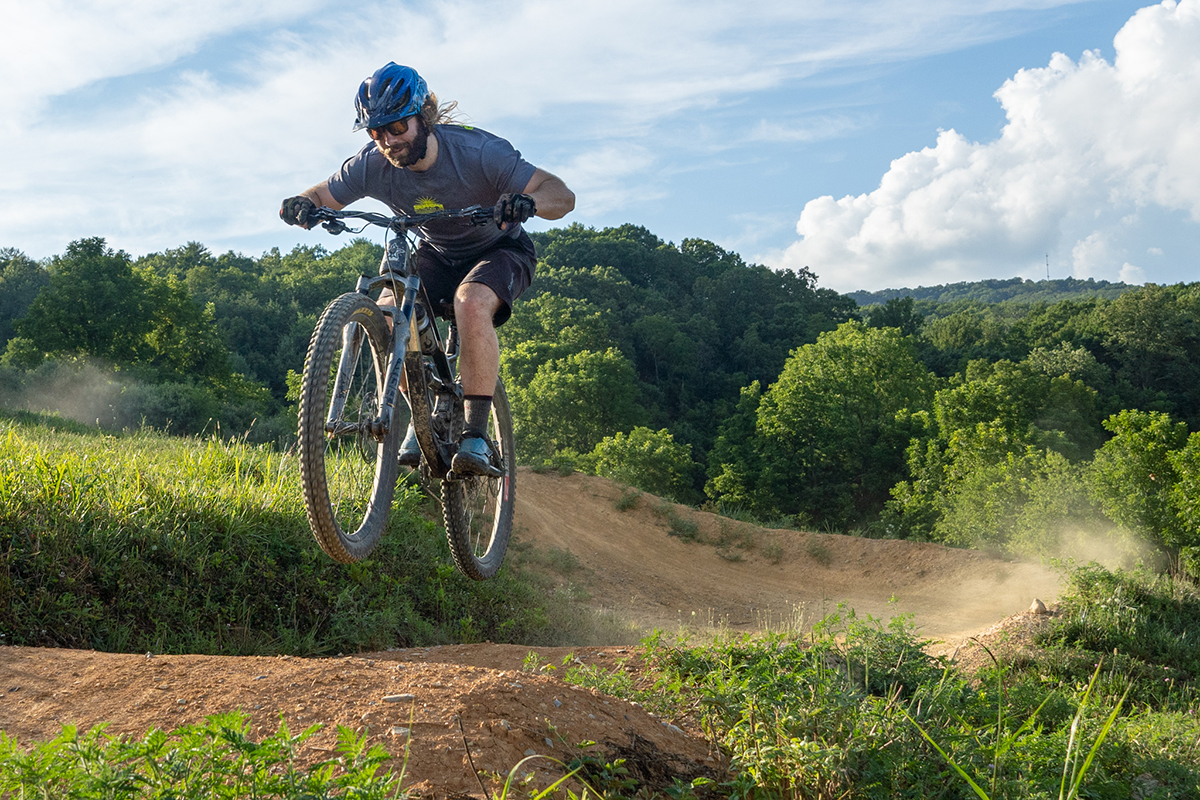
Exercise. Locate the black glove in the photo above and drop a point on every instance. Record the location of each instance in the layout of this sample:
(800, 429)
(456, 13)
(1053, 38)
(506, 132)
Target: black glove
(295, 211)
(513, 208)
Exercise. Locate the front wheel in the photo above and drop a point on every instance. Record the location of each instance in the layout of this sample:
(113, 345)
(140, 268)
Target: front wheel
(478, 509)
(348, 472)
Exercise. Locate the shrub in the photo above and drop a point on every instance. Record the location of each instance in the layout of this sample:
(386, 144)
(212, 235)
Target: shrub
(647, 460)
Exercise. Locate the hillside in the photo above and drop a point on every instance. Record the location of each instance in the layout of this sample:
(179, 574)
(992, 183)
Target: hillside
(744, 578)
(998, 290)
(729, 575)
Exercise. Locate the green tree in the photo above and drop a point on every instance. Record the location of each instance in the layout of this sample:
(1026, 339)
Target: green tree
(95, 305)
(696, 321)
(990, 413)
(549, 327)
(1029, 503)
(900, 313)
(572, 403)
(1134, 475)
(182, 339)
(830, 435)
(99, 305)
(649, 460)
(1153, 337)
(1077, 363)
(735, 462)
(21, 278)
(1185, 501)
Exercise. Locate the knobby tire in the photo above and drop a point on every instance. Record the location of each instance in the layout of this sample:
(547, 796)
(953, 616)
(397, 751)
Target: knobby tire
(478, 510)
(348, 476)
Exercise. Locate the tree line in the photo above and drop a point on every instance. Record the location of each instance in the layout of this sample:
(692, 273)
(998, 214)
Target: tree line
(684, 370)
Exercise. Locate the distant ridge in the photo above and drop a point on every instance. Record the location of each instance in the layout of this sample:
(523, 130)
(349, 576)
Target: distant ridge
(997, 290)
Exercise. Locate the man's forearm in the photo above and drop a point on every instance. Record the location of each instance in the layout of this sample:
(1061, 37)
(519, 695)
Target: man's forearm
(320, 195)
(553, 199)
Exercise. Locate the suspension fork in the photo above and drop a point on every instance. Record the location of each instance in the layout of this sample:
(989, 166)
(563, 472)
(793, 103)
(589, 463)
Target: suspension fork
(352, 337)
(401, 334)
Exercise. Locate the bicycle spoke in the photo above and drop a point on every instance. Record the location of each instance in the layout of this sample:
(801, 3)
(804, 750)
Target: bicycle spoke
(478, 509)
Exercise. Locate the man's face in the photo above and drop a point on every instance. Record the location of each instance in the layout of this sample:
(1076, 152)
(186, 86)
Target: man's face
(403, 142)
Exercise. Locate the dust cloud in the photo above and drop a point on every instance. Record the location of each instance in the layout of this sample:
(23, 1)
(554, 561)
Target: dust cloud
(1108, 545)
(84, 393)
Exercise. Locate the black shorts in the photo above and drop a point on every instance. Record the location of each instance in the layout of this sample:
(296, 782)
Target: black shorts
(507, 269)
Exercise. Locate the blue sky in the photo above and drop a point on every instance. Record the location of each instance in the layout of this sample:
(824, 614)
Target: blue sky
(880, 143)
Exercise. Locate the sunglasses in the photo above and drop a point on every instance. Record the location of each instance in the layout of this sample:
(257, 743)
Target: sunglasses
(397, 128)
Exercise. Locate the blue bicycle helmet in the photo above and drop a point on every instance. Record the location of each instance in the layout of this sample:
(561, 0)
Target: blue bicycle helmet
(393, 92)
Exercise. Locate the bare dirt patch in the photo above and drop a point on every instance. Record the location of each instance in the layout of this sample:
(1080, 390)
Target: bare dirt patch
(720, 574)
(733, 575)
(417, 697)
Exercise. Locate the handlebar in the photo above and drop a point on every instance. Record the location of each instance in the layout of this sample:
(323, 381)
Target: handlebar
(332, 221)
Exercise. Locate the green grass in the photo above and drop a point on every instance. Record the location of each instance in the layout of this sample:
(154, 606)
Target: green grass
(856, 709)
(677, 525)
(818, 552)
(146, 542)
(215, 759)
(740, 514)
(630, 499)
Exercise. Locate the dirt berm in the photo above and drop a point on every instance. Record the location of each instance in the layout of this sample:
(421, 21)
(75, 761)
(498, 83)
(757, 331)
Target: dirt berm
(719, 574)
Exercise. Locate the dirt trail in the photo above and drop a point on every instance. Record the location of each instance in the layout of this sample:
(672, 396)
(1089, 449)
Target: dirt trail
(730, 575)
(762, 578)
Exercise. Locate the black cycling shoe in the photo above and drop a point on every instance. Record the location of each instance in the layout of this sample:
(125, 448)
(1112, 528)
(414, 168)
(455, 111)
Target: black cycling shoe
(410, 450)
(475, 456)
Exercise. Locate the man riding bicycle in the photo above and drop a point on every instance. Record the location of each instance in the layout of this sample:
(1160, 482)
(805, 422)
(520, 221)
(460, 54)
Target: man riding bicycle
(418, 162)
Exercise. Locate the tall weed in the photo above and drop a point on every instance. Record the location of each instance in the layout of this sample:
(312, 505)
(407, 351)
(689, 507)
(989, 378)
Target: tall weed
(214, 759)
(830, 715)
(144, 542)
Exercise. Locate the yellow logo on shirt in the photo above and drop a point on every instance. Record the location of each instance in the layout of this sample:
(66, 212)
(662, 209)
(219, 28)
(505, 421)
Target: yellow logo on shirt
(427, 205)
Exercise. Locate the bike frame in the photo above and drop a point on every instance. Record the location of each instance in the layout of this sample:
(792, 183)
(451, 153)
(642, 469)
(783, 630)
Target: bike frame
(399, 271)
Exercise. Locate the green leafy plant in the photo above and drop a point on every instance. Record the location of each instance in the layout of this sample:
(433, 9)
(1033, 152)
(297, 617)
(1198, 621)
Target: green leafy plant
(677, 524)
(1073, 771)
(818, 552)
(629, 499)
(214, 759)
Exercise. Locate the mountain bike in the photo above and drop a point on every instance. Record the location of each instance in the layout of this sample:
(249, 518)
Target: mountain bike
(351, 419)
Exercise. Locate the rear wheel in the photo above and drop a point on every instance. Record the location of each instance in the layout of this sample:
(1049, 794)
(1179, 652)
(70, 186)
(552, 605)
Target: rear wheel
(348, 472)
(479, 510)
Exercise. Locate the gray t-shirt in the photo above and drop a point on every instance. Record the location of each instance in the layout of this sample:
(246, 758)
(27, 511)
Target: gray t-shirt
(473, 167)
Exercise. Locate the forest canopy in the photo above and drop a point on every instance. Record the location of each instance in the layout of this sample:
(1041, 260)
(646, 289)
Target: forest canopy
(986, 415)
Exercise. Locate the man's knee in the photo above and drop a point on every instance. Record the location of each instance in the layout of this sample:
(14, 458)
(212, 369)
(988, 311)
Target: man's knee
(475, 301)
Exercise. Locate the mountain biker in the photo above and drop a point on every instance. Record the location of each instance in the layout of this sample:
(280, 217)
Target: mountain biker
(419, 161)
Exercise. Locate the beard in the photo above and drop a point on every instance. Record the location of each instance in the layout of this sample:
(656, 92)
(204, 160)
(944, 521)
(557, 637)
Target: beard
(409, 154)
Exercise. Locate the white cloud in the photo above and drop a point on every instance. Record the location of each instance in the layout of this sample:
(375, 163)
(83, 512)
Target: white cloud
(808, 130)
(198, 155)
(601, 178)
(1086, 142)
(1131, 274)
(50, 48)
(1093, 256)
(644, 59)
